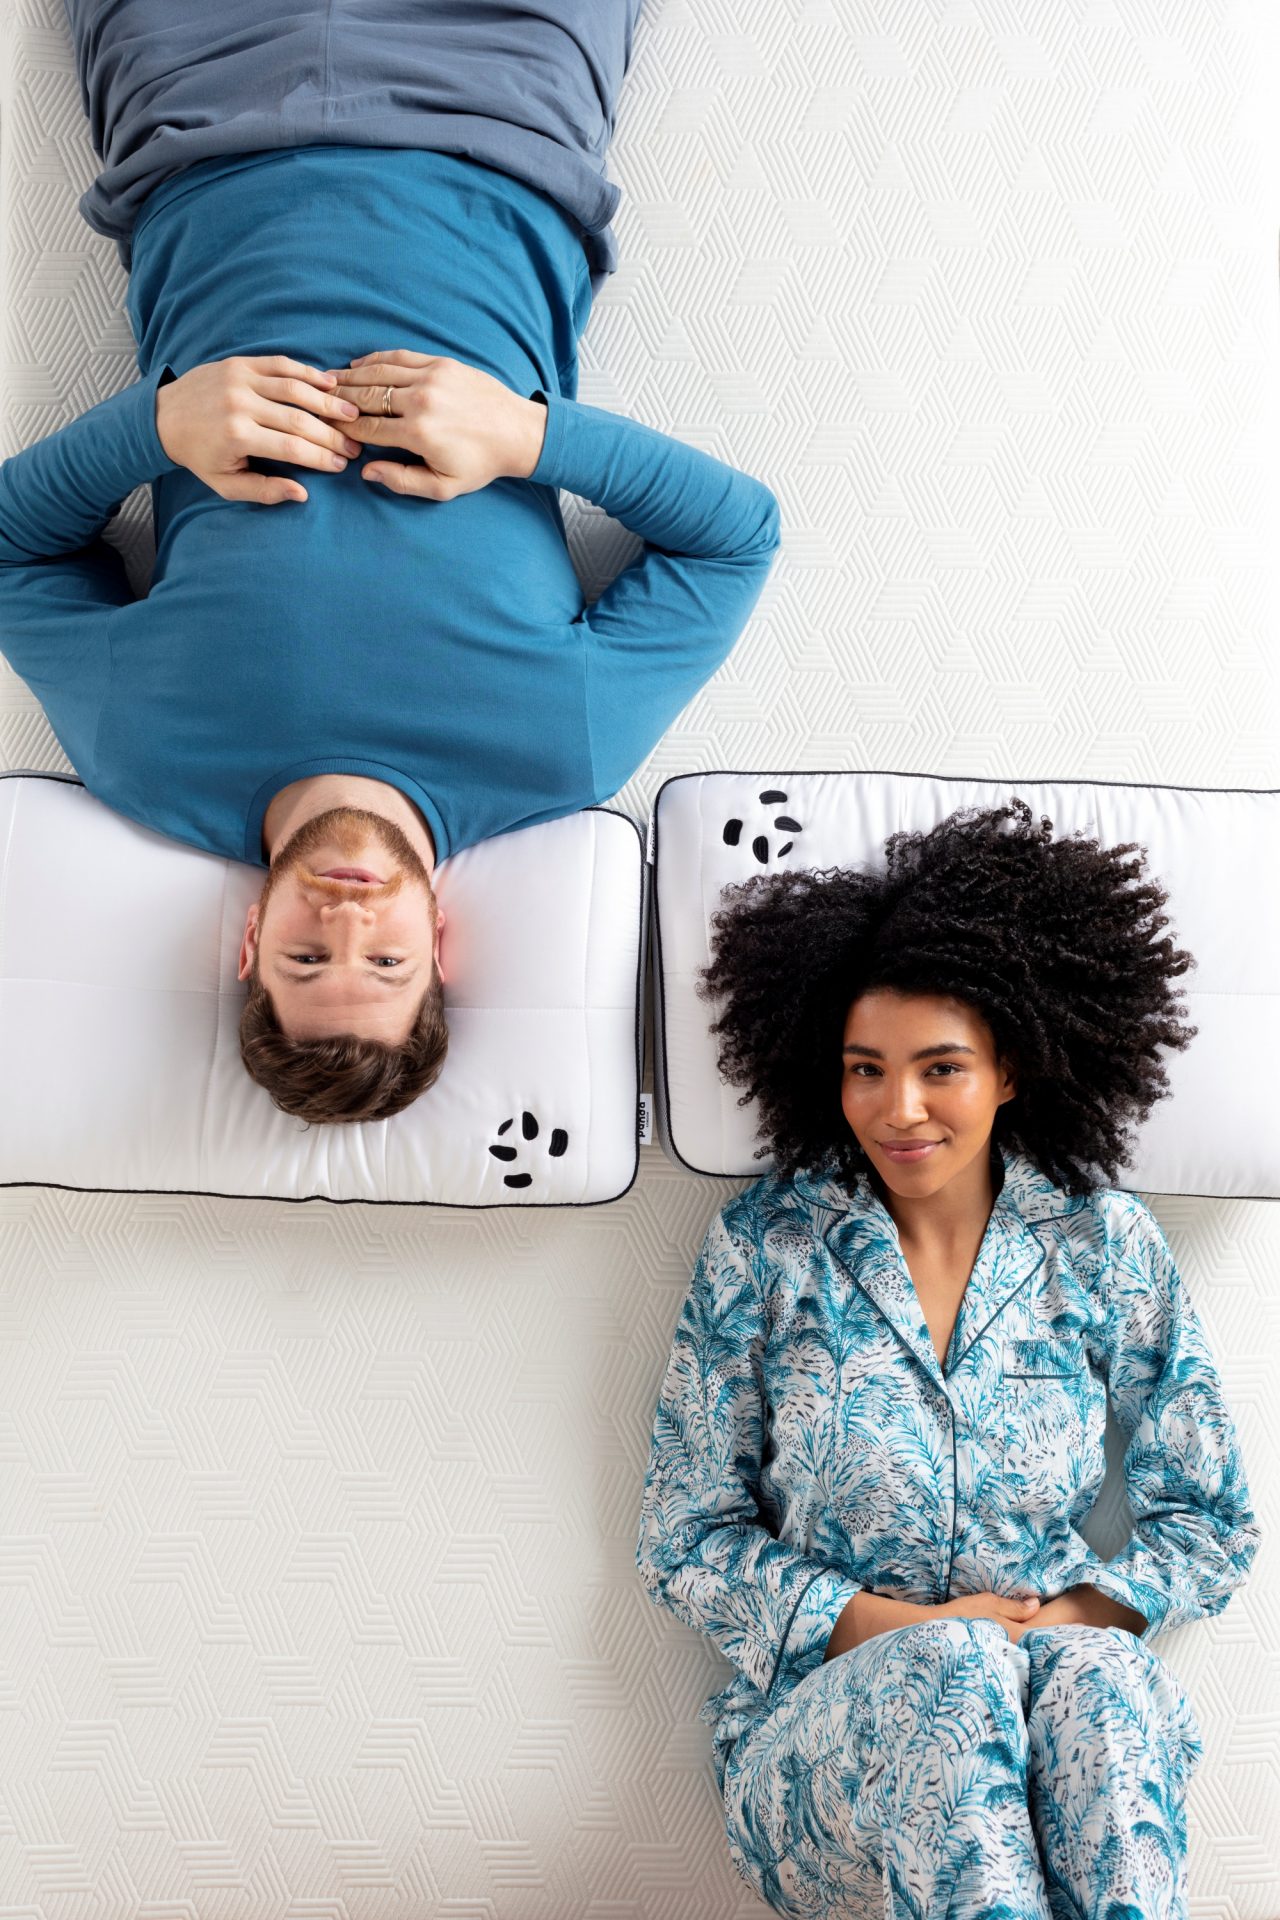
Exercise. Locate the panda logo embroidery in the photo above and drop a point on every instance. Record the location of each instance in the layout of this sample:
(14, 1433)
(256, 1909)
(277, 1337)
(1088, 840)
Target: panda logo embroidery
(556, 1146)
(783, 824)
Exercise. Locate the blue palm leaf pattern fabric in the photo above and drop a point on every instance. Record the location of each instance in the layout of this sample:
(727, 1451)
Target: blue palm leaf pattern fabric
(939, 1770)
(807, 1443)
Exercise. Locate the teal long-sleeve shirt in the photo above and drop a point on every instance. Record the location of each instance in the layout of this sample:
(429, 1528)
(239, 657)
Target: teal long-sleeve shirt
(443, 647)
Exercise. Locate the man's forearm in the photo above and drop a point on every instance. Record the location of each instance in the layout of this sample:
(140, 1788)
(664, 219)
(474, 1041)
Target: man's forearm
(674, 496)
(58, 494)
(60, 581)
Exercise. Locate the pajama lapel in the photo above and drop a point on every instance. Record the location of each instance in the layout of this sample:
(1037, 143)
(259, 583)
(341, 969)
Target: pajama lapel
(1010, 1255)
(861, 1237)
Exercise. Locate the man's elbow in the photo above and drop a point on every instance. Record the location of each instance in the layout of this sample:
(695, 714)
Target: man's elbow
(768, 537)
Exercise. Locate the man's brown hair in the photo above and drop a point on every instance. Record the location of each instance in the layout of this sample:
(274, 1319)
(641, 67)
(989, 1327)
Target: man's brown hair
(341, 1076)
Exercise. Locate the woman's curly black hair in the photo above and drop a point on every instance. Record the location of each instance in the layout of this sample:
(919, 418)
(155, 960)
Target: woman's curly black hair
(1058, 943)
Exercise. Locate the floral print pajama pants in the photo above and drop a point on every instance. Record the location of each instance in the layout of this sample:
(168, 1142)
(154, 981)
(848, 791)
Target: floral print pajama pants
(941, 1772)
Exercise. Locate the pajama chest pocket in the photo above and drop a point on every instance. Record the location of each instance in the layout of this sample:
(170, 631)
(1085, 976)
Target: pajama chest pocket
(1042, 1358)
(1049, 1415)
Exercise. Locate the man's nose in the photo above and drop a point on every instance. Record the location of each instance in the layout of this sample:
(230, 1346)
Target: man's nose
(336, 914)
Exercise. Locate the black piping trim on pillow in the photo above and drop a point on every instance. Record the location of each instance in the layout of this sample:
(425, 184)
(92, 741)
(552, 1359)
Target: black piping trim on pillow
(448, 1206)
(873, 773)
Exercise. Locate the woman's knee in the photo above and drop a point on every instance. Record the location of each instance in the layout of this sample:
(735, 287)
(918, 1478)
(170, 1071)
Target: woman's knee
(878, 1666)
(1101, 1677)
(958, 1637)
(809, 1794)
(1071, 1651)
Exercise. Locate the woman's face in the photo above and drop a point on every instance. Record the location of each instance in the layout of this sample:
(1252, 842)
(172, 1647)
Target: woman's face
(921, 1086)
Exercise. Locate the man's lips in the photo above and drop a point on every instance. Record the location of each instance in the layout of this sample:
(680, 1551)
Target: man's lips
(352, 873)
(908, 1151)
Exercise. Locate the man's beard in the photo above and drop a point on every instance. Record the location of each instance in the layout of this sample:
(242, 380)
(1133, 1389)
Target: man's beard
(348, 829)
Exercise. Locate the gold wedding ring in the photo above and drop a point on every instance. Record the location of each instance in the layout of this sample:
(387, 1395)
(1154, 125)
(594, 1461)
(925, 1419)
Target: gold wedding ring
(386, 401)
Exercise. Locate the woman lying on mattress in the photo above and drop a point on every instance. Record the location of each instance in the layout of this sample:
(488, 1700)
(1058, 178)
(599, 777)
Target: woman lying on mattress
(360, 229)
(882, 1422)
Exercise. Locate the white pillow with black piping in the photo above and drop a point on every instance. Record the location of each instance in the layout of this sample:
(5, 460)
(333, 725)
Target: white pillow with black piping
(120, 1007)
(1214, 850)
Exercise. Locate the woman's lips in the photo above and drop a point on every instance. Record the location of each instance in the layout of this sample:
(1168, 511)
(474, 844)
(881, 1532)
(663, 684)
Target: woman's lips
(352, 873)
(907, 1152)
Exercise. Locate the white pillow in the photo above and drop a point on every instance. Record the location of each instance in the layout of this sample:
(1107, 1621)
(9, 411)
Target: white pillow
(119, 1010)
(1214, 850)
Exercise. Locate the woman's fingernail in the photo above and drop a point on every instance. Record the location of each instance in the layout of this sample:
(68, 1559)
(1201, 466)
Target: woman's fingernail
(348, 409)
(352, 447)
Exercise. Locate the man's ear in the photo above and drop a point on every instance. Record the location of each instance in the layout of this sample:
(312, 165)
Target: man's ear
(436, 949)
(249, 945)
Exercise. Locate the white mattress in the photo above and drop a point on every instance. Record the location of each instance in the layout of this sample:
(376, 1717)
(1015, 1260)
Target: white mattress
(317, 1592)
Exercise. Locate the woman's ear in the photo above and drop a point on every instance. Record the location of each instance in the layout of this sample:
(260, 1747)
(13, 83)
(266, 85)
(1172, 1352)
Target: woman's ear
(1008, 1083)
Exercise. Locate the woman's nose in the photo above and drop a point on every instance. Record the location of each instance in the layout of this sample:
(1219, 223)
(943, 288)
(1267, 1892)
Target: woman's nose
(904, 1103)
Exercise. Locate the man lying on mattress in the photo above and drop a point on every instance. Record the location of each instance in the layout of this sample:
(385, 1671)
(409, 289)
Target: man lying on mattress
(365, 646)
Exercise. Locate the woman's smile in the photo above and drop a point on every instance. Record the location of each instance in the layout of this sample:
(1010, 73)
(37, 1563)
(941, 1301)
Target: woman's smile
(908, 1152)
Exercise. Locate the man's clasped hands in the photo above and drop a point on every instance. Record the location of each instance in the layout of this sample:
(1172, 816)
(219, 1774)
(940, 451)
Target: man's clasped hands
(465, 426)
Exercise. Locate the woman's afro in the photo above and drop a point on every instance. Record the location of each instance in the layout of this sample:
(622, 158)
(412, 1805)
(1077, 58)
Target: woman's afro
(1059, 944)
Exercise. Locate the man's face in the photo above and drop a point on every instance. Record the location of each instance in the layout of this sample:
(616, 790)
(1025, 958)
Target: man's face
(345, 933)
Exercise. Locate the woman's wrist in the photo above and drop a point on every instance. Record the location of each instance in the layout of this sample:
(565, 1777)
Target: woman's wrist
(867, 1614)
(1085, 1606)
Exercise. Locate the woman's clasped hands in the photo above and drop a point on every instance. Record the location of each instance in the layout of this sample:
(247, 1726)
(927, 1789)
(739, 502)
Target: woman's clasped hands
(868, 1614)
(1015, 1616)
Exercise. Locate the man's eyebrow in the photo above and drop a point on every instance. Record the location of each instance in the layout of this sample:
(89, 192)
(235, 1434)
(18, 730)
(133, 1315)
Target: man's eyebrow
(391, 977)
(925, 1053)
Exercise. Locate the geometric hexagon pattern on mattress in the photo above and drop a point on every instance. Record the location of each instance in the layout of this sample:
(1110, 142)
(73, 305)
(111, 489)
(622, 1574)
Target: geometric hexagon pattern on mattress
(317, 1591)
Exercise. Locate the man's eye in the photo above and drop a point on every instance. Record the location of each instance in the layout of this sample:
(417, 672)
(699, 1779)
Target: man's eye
(385, 960)
(306, 959)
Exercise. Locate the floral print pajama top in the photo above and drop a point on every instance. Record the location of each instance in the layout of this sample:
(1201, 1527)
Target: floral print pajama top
(807, 1443)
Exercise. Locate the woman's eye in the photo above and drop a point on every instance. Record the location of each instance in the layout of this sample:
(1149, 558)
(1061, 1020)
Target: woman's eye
(862, 1068)
(947, 1067)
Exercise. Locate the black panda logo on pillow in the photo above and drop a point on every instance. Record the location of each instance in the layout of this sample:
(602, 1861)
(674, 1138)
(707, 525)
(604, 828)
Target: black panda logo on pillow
(555, 1145)
(774, 836)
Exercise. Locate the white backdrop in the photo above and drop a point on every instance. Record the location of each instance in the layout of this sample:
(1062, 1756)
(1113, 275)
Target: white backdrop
(316, 1582)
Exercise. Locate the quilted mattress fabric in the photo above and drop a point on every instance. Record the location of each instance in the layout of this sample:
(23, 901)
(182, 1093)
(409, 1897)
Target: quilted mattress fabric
(317, 1524)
